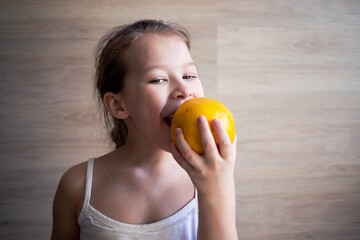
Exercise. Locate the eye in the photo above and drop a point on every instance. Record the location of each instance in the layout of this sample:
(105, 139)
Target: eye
(189, 77)
(158, 81)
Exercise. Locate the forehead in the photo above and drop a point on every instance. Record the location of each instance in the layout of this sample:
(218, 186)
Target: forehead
(152, 39)
(153, 49)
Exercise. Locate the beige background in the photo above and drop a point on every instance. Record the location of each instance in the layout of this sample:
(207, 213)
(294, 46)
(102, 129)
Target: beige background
(288, 69)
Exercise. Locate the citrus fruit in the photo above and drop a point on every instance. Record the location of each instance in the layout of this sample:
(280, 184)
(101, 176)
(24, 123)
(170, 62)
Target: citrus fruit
(187, 114)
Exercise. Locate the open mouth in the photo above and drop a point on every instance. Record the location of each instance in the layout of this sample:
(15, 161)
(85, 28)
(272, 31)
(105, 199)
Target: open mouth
(168, 119)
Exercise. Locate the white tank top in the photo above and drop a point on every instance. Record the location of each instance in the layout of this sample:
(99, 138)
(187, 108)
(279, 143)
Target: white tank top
(95, 226)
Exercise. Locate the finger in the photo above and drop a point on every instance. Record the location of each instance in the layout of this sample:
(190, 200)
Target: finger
(224, 143)
(186, 151)
(180, 159)
(206, 136)
(234, 145)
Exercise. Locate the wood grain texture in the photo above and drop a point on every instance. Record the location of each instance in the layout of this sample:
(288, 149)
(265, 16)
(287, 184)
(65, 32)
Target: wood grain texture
(289, 71)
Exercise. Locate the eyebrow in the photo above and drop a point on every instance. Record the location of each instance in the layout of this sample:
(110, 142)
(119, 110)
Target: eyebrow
(164, 66)
(190, 64)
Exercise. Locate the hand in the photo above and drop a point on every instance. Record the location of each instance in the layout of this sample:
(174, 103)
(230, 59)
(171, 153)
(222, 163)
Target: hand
(213, 176)
(211, 173)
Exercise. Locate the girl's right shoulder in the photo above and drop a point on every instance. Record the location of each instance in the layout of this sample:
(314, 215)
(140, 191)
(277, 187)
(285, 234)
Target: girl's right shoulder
(71, 189)
(68, 202)
(76, 174)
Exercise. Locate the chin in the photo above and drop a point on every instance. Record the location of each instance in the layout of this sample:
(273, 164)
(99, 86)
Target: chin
(167, 146)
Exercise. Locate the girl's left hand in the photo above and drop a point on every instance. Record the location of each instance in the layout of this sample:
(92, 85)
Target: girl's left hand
(213, 172)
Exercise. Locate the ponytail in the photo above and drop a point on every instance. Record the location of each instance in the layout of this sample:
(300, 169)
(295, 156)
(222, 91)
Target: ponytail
(118, 132)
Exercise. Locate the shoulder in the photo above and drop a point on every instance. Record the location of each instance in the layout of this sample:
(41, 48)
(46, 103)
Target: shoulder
(75, 175)
(71, 188)
(68, 202)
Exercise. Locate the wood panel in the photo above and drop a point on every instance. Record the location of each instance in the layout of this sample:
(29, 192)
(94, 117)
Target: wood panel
(289, 71)
(297, 170)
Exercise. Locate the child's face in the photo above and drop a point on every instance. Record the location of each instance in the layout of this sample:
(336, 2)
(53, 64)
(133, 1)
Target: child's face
(162, 75)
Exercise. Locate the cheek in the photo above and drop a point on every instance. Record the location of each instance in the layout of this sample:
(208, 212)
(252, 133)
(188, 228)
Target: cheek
(151, 105)
(198, 90)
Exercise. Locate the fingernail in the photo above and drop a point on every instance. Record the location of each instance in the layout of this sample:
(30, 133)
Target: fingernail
(202, 118)
(217, 121)
(178, 131)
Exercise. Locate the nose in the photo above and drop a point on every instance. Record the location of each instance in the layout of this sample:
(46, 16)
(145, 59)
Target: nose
(182, 91)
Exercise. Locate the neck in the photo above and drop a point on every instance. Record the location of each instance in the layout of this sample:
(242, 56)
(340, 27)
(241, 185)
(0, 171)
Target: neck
(140, 155)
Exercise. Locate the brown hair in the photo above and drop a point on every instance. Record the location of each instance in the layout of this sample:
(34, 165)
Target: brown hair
(111, 67)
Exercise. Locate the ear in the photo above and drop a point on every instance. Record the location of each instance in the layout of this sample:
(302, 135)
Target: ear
(115, 106)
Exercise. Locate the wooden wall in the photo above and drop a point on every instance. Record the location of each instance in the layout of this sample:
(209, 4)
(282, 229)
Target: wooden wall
(288, 69)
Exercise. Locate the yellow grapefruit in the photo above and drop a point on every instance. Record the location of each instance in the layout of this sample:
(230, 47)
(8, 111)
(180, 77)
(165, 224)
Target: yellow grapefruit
(187, 114)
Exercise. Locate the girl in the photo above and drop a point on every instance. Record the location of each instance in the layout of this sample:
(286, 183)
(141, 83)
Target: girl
(144, 71)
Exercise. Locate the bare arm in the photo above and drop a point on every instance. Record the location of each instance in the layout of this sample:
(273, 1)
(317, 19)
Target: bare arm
(66, 205)
(213, 176)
